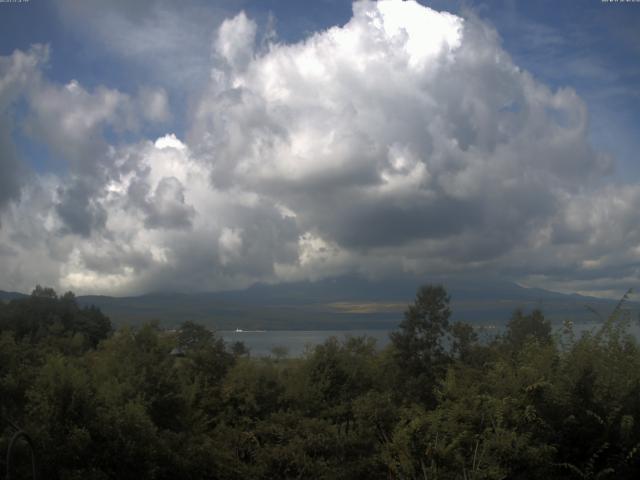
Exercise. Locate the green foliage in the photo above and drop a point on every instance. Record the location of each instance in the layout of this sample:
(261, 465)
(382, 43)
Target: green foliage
(435, 404)
(522, 328)
(58, 320)
(419, 344)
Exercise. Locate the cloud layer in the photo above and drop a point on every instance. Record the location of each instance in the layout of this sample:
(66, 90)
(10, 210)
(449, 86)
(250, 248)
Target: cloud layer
(405, 140)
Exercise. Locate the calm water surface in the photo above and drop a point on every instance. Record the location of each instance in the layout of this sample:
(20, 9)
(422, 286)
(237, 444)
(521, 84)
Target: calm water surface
(261, 343)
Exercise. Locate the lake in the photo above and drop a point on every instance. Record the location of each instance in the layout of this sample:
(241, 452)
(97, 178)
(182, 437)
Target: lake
(261, 343)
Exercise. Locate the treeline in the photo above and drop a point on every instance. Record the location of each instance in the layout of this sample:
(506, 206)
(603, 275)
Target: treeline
(435, 404)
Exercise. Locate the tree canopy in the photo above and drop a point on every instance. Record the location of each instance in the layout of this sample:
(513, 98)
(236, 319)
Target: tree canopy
(435, 403)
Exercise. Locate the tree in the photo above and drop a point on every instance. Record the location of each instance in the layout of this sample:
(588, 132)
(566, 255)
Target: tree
(522, 328)
(239, 349)
(44, 316)
(44, 292)
(194, 336)
(93, 323)
(419, 345)
(465, 340)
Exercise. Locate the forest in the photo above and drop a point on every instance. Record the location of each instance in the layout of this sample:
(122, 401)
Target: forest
(436, 403)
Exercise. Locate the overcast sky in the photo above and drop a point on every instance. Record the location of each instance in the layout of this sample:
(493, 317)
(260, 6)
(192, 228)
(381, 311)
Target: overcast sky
(196, 146)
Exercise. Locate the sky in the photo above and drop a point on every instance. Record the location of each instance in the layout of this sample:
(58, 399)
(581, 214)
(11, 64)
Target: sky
(200, 146)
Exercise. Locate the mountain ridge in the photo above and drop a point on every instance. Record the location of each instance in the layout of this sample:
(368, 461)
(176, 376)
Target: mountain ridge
(347, 302)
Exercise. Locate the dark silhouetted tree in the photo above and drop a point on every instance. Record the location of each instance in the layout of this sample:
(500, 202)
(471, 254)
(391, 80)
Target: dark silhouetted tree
(420, 349)
(523, 327)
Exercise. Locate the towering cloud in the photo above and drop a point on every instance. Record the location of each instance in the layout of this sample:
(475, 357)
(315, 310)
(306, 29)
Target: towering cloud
(406, 139)
(406, 133)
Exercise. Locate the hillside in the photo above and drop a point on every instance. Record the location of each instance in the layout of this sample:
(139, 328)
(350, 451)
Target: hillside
(342, 303)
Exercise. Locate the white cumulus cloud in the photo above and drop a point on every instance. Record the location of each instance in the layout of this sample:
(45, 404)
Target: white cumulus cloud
(405, 140)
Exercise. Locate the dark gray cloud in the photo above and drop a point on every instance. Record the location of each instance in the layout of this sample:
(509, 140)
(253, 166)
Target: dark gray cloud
(18, 72)
(167, 208)
(79, 212)
(12, 168)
